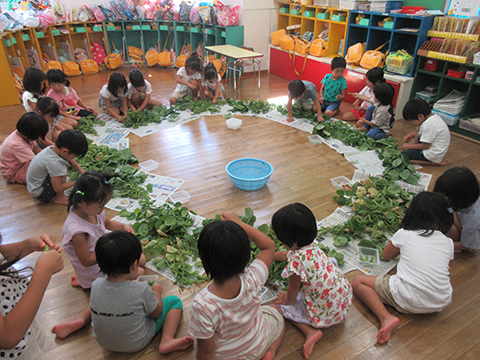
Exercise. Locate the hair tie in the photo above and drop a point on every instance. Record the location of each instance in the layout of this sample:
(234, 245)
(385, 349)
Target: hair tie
(80, 192)
(106, 182)
(450, 210)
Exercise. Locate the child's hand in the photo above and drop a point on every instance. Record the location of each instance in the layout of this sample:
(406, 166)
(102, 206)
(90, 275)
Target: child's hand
(192, 86)
(405, 147)
(38, 243)
(408, 137)
(156, 287)
(339, 97)
(230, 215)
(129, 229)
(321, 99)
(49, 263)
(92, 110)
(214, 101)
(290, 119)
(119, 118)
(355, 95)
(282, 298)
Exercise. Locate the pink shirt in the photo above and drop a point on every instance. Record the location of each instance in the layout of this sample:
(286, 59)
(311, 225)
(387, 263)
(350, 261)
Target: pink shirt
(237, 324)
(67, 102)
(15, 156)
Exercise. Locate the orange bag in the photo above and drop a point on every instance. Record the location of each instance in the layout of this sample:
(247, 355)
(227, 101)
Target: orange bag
(151, 57)
(220, 65)
(52, 64)
(134, 51)
(301, 47)
(164, 58)
(318, 48)
(287, 42)
(276, 35)
(180, 62)
(70, 68)
(113, 61)
(374, 58)
(89, 66)
(355, 53)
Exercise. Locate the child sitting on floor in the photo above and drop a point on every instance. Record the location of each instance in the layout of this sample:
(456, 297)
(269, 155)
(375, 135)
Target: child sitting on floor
(227, 317)
(461, 187)
(421, 284)
(318, 294)
(34, 81)
(304, 93)
(47, 173)
(188, 80)
(113, 98)
(365, 98)
(380, 120)
(334, 87)
(212, 86)
(139, 92)
(20, 147)
(432, 138)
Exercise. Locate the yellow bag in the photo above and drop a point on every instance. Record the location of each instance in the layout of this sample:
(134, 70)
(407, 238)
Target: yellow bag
(151, 57)
(318, 48)
(355, 53)
(301, 47)
(287, 42)
(180, 62)
(89, 66)
(113, 61)
(52, 64)
(164, 58)
(70, 68)
(220, 65)
(373, 58)
(132, 50)
(276, 35)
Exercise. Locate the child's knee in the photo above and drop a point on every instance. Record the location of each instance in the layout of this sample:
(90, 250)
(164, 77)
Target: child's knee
(173, 101)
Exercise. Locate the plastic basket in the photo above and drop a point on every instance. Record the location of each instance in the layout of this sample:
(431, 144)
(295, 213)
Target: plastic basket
(368, 256)
(449, 119)
(248, 173)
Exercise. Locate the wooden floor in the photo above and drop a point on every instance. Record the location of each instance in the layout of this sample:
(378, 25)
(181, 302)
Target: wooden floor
(198, 152)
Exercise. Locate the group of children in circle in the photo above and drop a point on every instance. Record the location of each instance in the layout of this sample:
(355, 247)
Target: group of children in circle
(318, 294)
(126, 315)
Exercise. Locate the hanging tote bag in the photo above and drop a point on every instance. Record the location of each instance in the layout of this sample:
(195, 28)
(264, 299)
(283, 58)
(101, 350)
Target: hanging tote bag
(89, 66)
(373, 58)
(355, 54)
(151, 57)
(52, 64)
(318, 48)
(287, 42)
(164, 58)
(180, 62)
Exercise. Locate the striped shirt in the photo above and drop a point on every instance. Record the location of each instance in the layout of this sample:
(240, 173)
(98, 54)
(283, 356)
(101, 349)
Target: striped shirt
(237, 324)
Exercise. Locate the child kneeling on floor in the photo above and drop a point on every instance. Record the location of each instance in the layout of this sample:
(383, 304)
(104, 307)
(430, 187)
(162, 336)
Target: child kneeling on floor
(226, 316)
(189, 80)
(432, 138)
(304, 93)
(421, 284)
(318, 294)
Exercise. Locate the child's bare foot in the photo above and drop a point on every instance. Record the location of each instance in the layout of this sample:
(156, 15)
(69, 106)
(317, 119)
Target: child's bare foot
(65, 329)
(168, 346)
(74, 281)
(310, 342)
(387, 327)
(61, 200)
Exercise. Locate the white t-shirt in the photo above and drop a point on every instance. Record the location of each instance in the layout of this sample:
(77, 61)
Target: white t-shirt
(213, 83)
(28, 96)
(147, 89)
(422, 283)
(107, 94)
(367, 91)
(183, 73)
(435, 132)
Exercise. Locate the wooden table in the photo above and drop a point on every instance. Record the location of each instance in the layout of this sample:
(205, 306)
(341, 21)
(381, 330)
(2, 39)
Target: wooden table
(238, 54)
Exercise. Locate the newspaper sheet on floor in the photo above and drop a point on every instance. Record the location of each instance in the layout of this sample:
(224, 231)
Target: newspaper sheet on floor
(163, 187)
(112, 137)
(350, 251)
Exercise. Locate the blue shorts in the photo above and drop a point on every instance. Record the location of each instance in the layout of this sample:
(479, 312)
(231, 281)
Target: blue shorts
(48, 193)
(169, 303)
(330, 105)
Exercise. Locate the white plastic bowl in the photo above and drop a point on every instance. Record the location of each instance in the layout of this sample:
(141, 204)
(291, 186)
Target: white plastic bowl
(234, 123)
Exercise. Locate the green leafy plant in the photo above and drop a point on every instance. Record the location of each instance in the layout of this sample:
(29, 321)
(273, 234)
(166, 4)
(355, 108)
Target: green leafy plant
(85, 124)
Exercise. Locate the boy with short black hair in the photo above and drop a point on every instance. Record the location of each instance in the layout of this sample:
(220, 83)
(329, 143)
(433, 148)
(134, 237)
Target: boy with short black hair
(432, 138)
(334, 87)
(126, 314)
(47, 173)
(304, 93)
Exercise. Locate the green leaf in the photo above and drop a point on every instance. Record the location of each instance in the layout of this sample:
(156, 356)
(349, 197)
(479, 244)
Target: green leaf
(170, 220)
(397, 162)
(340, 241)
(143, 230)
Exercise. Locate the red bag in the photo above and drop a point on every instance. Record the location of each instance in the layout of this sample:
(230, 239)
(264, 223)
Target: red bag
(227, 16)
(98, 52)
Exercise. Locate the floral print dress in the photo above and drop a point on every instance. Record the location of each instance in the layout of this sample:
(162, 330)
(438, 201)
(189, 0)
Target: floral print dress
(326, 293)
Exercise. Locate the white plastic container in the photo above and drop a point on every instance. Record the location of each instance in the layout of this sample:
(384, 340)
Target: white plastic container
(368, 256)
(149, 165)
(339, 181)
(315, 139)
(234, 123)
(180, 196)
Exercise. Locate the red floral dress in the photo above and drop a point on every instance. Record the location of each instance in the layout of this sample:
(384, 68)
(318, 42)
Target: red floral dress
(326, 293)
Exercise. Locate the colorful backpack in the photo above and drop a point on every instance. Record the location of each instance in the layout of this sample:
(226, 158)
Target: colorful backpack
(98, 52)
